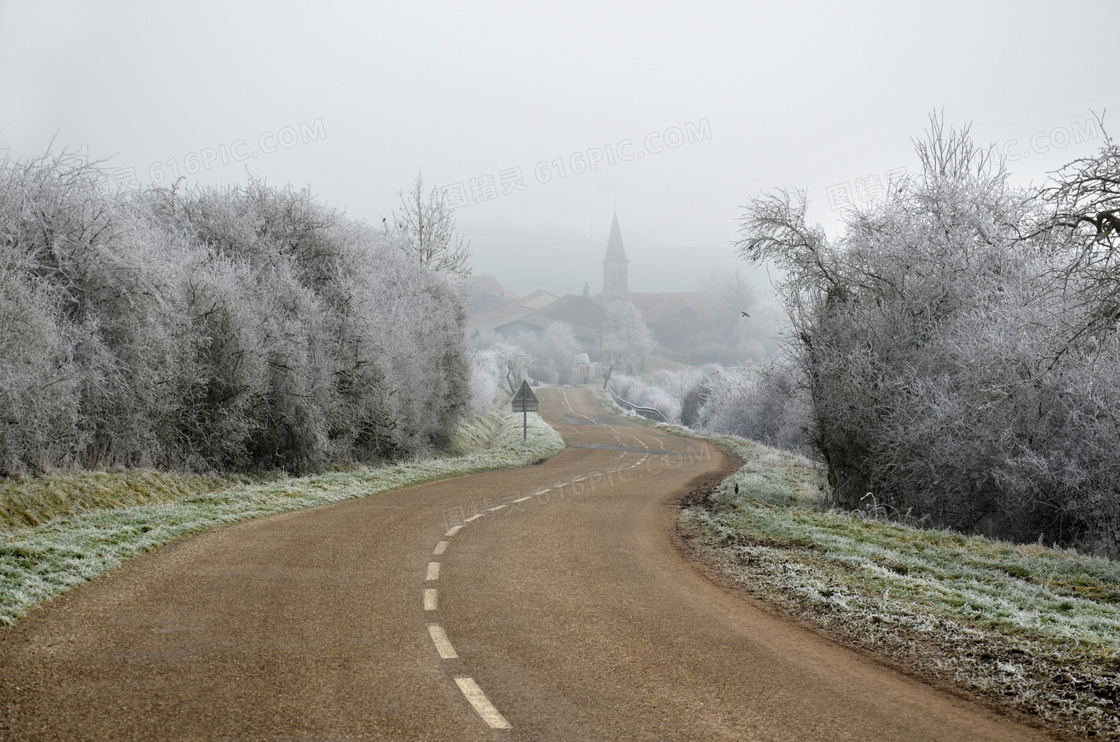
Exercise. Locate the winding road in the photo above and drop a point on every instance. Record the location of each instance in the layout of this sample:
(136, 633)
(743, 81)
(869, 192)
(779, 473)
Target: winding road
(545, 603)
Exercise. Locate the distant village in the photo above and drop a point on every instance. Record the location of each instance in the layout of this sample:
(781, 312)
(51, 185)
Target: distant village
(684, 323)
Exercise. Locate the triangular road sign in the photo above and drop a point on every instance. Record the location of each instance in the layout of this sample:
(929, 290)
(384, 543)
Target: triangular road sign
(525, 400)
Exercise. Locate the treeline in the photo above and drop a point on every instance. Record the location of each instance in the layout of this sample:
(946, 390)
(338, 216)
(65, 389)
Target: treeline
(765, 404)
(248, 327)
(955, 349)
(953, 355)
(499, 364)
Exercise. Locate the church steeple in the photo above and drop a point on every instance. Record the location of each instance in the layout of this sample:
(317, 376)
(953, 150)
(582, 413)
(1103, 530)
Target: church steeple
(615, 284)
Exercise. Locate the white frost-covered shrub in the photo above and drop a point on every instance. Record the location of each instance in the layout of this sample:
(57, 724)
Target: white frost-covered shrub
(244, 327)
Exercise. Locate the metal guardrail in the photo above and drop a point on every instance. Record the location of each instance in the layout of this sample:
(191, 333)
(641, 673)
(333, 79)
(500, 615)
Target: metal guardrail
(649, 413)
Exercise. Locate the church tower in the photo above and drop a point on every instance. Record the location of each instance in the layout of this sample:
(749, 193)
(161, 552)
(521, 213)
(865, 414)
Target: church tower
(615, 285)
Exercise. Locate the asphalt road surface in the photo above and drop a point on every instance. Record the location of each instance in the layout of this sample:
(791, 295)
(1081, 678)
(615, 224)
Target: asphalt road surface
(564, 611)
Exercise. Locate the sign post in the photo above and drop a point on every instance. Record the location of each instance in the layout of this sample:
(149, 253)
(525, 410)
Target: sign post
(525, 402)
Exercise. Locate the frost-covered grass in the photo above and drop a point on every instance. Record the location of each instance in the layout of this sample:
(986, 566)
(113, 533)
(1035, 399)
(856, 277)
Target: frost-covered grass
(117, 516)
(1064, 598)
(1033, 628)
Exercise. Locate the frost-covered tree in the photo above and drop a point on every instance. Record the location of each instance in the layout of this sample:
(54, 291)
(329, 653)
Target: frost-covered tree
(213, 328)
(425, 226)
(660, 391)
(552, 351)
(1080, 227)
(932, 337)
(97, 283)
(509, 360)
(627, 340)
(764, 404)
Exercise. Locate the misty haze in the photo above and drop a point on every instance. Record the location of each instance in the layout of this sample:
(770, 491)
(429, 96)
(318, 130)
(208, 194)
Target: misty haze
(730, 371)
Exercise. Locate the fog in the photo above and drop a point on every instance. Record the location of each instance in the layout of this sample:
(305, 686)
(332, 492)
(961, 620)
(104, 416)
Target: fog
(556, 116)
(232, 249)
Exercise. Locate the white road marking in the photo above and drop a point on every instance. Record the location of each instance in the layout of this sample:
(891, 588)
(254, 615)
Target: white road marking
(468, 686)
(481, 703)
(443, 644)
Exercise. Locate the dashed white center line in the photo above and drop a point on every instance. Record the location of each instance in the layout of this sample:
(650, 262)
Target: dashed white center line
(467, 685)
(481, 703)
(443, 644)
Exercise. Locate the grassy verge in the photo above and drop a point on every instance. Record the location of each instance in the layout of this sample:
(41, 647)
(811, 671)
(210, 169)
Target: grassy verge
(88, 523)
(1025, 627)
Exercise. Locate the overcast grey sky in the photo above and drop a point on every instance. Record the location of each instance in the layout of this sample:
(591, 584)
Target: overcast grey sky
(689, 112)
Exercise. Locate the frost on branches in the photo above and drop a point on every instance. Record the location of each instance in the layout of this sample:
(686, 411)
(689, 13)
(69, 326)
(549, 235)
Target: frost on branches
(958, 344)
(627, 340)
(219, 328)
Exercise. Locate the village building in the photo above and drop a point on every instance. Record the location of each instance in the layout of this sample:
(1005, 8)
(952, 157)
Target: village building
(615, 267)
(676, 319)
